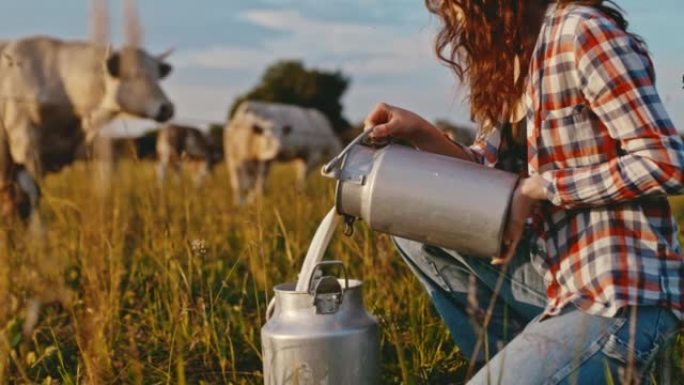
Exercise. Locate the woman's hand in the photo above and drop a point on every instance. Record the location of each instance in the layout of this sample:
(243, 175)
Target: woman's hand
(387, 120)
(526, 195)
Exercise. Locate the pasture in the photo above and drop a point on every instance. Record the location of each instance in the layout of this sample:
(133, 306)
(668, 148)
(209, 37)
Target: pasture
(141, 285)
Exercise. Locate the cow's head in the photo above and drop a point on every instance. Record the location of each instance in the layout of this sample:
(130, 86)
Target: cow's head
(132, 83)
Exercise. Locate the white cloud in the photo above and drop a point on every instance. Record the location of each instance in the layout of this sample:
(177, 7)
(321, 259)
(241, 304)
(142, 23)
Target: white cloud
(284, 20)
(394, 56)
(223, 57)
(202, 105)
(356, 49)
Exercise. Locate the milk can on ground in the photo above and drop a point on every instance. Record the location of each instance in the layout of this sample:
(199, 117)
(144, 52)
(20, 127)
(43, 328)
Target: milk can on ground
(322, 335)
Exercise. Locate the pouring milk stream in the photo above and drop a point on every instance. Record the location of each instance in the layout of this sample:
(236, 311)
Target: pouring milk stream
(317, 248)
(317, 331)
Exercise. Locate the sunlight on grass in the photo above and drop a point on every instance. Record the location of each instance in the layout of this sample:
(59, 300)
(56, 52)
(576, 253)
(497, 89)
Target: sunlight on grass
(136, 284)
(143, 285)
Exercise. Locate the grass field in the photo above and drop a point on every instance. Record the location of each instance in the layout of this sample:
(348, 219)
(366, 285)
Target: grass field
(142, 286)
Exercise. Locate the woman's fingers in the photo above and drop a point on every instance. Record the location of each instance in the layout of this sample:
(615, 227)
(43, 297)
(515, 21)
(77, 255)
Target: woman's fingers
(510, 243)
(380, 114)
(520, 209)
(387, 120)
(380, 131)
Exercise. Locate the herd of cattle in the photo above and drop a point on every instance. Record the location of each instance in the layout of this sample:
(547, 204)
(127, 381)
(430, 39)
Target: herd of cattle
(56, 95)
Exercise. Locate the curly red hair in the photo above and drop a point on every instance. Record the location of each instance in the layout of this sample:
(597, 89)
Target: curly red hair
(480, 41)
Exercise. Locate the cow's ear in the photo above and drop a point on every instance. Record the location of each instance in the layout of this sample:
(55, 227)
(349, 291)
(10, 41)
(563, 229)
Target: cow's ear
(114, 65)
(164, 70)
(257, 129)
(287, 129)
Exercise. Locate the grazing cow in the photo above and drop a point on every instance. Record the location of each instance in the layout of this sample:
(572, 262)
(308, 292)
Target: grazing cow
(261, 133)
(177, 144)
(56, 94)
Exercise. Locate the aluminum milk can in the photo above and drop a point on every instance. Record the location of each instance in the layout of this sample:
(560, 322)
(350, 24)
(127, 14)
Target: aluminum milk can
(323, 336)
(426, 197)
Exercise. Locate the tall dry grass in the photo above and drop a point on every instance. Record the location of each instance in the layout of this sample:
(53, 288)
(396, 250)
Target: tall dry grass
(139, 285)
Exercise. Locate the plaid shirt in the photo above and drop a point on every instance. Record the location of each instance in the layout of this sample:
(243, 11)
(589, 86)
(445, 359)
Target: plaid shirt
(600, 137)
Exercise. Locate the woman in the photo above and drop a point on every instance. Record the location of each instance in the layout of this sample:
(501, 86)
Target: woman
(591, 280)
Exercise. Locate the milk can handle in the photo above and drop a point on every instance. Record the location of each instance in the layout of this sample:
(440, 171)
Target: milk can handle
(328, 263)
(334, 162)
(270, 309)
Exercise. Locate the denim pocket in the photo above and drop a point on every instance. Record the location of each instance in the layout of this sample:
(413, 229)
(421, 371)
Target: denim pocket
(626, 351)
(638, 347)
(612, 349)
(588, 366)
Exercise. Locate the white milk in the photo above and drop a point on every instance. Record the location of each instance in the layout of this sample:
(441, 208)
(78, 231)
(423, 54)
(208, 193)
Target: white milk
(317, 248)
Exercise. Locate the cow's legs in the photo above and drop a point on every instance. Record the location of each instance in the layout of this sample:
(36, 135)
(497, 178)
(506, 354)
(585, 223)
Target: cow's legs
(265, 171)
(301, 173)
(162, 165)
(254, 180)
(247, 177)
(200, 175)
(7, 170)
(176, 167)
(29, 187)
(262, 170)
(235, 175)
(26, 180)
(304, 168)
(247, 180)
(30, 156)
(30, 191)
(165, 159)
(19, 192)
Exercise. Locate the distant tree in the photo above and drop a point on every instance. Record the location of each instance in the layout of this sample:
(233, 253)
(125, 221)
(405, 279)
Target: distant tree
(290, 82)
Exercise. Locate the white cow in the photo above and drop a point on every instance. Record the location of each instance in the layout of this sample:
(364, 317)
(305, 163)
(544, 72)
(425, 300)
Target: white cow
(56, 94)
(177, 144)
(261, 133)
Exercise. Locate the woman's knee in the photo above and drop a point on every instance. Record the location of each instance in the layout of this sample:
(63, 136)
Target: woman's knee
(627, 355)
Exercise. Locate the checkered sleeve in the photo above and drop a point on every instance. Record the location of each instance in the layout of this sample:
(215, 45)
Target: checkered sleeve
(617, 80)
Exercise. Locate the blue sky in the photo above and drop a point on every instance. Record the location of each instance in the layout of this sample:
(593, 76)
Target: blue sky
(222, 47)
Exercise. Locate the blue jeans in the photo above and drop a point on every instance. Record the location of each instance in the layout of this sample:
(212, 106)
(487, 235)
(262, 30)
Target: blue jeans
(516, 347)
